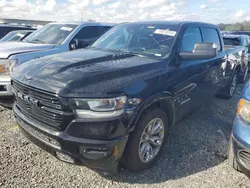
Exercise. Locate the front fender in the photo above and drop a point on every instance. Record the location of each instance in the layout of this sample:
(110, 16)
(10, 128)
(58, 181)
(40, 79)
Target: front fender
(164, 100)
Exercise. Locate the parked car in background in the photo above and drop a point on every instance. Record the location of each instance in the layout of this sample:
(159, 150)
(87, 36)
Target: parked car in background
(5, 29)
(239, 146)
(116, 100)
(225, 32)
(51, 39)
(244, 41)
(241, 33)
(17, 35)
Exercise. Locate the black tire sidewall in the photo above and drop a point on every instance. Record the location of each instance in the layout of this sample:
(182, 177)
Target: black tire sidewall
(131, 158)
(231, 81)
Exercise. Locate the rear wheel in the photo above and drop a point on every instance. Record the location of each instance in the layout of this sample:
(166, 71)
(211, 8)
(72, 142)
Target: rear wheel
(146, 141)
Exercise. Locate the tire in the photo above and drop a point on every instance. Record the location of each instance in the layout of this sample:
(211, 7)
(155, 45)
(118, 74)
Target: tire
(7, 103)
(135, 158)
(229, 91)
(243, 77)
(231, 158)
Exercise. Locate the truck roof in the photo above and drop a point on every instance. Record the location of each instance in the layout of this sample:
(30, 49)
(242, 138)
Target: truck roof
(86, 23)
(174, 23)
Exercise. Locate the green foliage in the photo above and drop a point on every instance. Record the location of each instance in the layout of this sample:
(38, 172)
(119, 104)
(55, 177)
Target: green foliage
(239, 26)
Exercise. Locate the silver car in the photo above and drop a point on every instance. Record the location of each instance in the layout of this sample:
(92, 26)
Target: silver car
(51, 39)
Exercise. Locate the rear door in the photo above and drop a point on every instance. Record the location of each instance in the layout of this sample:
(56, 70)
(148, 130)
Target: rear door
(214, 77)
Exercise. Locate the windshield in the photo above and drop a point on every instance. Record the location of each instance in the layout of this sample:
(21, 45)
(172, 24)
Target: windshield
(51, 34)
(8, 36)
(144, 39)
(231, 41)
(15, 36)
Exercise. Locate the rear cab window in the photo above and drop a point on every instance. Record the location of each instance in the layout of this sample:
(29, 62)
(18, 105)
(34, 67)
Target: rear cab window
(211, 35)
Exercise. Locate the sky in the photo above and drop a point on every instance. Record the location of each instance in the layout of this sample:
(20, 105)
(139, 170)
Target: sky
(213, 11)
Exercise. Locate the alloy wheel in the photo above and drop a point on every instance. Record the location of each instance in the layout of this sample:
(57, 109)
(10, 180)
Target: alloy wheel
(151, 140)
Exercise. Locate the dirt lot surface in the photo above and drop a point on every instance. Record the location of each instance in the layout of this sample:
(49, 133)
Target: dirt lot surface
(195, 156)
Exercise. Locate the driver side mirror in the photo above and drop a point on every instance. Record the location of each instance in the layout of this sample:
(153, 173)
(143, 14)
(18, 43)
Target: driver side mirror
(201, 51)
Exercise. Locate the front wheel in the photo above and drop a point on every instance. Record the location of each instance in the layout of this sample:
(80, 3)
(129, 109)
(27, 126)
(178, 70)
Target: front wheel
(146, 141)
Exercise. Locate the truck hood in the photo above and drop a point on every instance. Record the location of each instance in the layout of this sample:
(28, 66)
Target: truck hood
(10, 48)
(85, 71)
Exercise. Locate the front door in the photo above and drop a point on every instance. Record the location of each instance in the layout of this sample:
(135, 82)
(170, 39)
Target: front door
(189, 88)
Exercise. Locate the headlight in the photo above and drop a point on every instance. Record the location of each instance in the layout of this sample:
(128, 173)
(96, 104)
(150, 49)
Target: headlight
(99, 108)
(244, 110)
(6, 66)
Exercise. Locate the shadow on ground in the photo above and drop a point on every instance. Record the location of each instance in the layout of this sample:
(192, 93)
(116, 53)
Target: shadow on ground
(197, 143)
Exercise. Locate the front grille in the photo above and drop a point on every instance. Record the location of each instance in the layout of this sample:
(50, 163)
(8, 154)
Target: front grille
(244, 156)
(47, 110)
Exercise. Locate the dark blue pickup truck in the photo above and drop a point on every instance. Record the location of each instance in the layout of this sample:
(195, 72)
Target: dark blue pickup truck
(115, 101)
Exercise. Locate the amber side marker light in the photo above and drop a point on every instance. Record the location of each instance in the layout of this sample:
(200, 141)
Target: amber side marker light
(244, 109)
(2, 69)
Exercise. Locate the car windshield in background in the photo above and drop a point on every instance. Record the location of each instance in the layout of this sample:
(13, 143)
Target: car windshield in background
(51, 34)
(144, 39)
(231, 41)
(9, 36)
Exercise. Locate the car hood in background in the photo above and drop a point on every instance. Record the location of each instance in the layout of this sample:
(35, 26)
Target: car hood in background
(10, 48)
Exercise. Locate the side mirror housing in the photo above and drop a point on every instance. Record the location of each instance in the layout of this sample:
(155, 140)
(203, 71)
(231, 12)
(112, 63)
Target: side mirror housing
(201, 51)
(76, 44)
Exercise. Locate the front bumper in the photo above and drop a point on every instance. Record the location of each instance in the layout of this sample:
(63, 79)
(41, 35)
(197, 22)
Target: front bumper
(5, 86)
(242, 156)
(100, 155)
(241, 144)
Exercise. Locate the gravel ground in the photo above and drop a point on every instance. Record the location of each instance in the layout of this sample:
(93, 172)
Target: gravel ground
(195, 156)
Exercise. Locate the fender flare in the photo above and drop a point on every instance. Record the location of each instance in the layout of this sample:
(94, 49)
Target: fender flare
(166, 102)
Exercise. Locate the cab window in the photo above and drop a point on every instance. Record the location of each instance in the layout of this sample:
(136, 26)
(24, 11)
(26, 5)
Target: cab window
(190, 38)
(211, 35)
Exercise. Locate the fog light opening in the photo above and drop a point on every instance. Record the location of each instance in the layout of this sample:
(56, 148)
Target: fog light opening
(95, 153)
(64, 157)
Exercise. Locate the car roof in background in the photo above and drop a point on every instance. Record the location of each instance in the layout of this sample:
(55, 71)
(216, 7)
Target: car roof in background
(85, 23)
(17, 26)
(241, 32)
(232, 36)
(22, 31)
